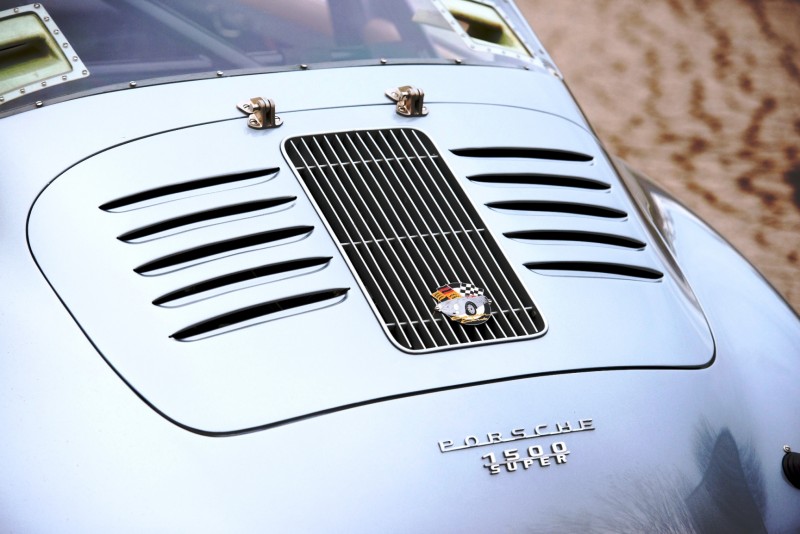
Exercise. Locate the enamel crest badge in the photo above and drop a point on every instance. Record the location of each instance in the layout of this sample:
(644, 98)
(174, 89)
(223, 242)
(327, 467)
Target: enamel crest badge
(463, 302)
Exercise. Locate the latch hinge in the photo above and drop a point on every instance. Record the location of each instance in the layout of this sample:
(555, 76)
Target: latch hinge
(261, 113)
(410, 101)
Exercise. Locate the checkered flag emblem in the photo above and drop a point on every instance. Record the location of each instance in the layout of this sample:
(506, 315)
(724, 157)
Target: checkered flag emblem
(456, 290)
(466, 289)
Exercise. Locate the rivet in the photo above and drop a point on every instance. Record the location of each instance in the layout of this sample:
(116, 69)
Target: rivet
(458, 61)
(252, 121)
(47, 19)
(787, 449)
(37, 6)
(64, 78)
(304, 66)
(39, 103)
(74, 58)
(16, 10)
(526, 67)
(22, 91)
(85, 72)
(383, 61)
(132, 84)
(2, 99)
(220, 73)
(56, 32)
(44, 84)
(65, 45)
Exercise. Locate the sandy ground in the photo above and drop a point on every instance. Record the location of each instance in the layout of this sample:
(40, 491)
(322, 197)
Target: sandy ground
(702, 96)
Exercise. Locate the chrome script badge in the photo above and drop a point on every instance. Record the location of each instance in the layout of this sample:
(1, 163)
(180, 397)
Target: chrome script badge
(463, 302)
(520, 458)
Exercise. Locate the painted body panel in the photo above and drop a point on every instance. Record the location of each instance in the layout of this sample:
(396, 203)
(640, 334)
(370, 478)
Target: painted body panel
(237, 381)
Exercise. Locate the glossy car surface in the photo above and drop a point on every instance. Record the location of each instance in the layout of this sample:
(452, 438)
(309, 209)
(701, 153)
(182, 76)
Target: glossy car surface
(196, 338)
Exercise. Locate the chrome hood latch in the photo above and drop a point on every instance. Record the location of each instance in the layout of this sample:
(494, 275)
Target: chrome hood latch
(409, 101)
(261, 113)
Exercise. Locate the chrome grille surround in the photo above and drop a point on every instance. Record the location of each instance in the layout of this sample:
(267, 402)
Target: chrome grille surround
(405, 226)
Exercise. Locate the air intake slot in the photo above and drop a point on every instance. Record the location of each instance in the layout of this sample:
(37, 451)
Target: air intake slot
(259, 313)
(251, 208)
(529, 153)
(540, 179)
(573, 208)
(586, 268)
(222, 247)
(584, 237)
(165, 193)
(233, 281)
(403, 221)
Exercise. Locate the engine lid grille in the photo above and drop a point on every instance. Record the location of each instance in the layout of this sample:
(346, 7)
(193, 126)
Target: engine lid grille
(404, 223)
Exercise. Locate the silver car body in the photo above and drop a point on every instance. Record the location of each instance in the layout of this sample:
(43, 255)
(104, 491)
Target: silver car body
(659, 404)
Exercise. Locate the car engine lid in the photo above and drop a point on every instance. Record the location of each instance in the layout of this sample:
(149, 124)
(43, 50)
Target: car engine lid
(203, 268)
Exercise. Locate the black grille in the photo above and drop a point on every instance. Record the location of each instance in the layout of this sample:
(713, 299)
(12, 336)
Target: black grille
(406, 226)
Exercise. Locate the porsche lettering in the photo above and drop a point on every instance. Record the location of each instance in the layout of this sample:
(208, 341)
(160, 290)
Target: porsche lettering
(516, 434)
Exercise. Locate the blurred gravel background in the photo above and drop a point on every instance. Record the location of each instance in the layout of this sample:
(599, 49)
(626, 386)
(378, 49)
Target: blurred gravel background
(702, 96)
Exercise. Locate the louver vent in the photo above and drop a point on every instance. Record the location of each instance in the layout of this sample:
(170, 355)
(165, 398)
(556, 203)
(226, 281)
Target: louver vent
(559, 207)
(215, 214)
(218, 248)
(239, 279)
(203, 185)
(211, 217)
(403, 221)
(242, 317)
(578, 237)
(530, 178)
(554, 200)
(582, 267)
(521, 152)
